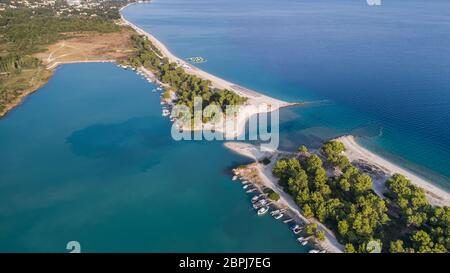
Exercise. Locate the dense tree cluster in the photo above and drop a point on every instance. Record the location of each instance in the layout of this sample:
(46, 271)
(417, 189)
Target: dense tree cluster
(332, 150)
(186, 86)
(25, 31)
(428, 227)
(346, 203)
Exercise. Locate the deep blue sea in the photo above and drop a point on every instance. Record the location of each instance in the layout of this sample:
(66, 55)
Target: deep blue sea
(384, 70)
(89, 158)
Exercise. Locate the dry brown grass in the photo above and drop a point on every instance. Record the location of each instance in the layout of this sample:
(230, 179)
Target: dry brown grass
(79, 47)
(14, 87)
(89, 47)
(250, 172)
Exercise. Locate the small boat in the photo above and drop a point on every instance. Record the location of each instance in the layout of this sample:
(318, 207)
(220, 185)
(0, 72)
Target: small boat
(275, 212)
(262, 202)
(296, 229)
(251, 190)
(278, 216)
(244, 181)
(304, 243)
(234, 178)
(323, 251)
(263, 210)
(245, 186)
(255, 198)
(300, 239)
(314, 251)
(165, 112)
(288, 220)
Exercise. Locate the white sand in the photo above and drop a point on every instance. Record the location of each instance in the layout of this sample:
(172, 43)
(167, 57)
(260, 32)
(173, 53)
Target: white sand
(255, 99)
(55, 64)
(355, 152)
(265, 173)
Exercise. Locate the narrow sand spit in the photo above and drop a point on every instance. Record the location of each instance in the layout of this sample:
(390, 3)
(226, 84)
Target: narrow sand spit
(256, 103)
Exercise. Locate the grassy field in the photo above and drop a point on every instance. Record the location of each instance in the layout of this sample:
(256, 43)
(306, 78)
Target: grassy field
(77, 47)
(15, 86)
(89, 46)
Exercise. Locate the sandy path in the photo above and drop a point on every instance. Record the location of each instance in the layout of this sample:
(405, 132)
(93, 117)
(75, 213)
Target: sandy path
(265, 173)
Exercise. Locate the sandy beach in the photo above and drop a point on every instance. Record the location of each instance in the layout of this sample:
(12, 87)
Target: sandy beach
(265, 173)
(356, 152)
(255, 104)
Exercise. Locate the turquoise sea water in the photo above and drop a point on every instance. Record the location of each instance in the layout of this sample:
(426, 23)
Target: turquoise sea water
(384, 71)
(89, 158)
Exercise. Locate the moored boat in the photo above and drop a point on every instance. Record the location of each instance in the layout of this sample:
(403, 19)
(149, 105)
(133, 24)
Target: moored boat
(296, 229)
(275, 212)
(263, 210)
(278, 216)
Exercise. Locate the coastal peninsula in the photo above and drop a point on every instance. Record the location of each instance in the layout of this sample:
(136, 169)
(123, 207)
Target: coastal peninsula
(112, 38)
(357, 201)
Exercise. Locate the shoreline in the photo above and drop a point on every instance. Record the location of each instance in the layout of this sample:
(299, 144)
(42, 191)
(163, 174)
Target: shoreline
(377, 167)
(51, 69)
(330, 244)
(384, 168)
(257, 103)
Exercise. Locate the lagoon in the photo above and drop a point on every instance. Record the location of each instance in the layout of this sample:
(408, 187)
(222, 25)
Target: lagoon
(89, 158)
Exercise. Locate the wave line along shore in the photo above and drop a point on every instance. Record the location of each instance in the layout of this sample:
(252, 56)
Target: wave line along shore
(255, 99)
(355, 152)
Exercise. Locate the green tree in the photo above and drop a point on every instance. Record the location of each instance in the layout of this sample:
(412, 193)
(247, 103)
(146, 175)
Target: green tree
(273, 196)
(298, 182)
(333, 147)
(343, 227)
(422, 242)
(313, 163)
(320, 235)
(396, 247)
(311, 228)
(344, 184)
(362, 184)
(307, 211)
(303, 150)
(349, 248)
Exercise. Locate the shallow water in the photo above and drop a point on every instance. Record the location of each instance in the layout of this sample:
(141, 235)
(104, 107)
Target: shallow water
(384, 71)
(89, 158)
